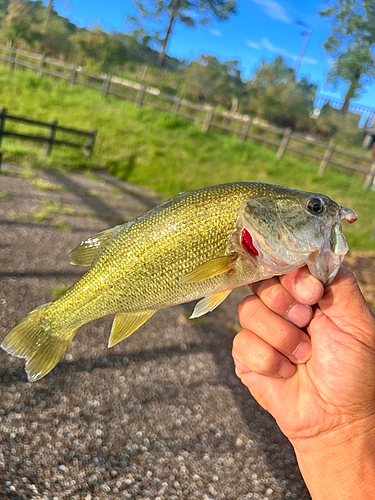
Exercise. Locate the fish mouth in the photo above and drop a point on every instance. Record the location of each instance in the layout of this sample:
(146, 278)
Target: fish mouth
(326, 263)
(348, 214)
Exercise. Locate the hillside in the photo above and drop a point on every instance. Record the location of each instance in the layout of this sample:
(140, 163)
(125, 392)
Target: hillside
(167, 153)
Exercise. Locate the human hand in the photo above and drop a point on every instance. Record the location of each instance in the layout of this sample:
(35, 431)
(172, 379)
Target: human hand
(328, 396)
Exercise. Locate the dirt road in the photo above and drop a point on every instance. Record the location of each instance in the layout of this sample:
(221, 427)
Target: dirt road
(161, 415)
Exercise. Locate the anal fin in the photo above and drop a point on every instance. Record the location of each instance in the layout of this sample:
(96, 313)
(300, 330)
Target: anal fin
(210, 269)
(125, 324)
(209, 303)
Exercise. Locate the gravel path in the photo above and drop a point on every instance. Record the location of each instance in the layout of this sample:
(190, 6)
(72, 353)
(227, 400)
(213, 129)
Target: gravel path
(159, 416)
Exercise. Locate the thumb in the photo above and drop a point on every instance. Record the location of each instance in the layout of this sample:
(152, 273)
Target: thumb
(346, 307)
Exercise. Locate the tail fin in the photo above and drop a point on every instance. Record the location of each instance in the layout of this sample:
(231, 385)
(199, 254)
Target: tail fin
(34, 340)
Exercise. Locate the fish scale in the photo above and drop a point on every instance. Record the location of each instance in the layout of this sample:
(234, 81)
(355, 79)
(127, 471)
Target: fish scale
(186, 249)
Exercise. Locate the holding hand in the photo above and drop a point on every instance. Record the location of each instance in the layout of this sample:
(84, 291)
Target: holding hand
(318, 383)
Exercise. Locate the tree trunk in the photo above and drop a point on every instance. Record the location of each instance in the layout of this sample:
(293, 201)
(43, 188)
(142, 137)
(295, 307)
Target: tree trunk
(161, 57)
(345, 107)
(354, 85)
(48, 11)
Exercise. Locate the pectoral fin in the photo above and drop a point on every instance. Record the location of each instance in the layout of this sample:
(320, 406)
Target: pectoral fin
(85, 253)
(209, 303)
(210, 269)
(125, 324)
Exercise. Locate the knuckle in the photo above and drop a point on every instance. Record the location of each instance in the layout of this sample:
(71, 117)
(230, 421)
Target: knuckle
(267, 364)
(247, 308)
(240, 341)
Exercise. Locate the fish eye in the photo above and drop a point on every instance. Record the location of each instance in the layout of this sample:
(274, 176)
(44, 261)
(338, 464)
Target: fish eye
(315, 206)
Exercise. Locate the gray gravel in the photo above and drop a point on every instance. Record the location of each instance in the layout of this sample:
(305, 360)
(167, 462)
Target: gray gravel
(159, 416)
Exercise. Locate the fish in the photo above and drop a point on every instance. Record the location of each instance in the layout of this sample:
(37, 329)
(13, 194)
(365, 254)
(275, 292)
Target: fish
(199, 245)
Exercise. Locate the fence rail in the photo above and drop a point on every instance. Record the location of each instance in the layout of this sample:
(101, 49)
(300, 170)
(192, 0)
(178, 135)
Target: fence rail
(50, 138)
(241, 125)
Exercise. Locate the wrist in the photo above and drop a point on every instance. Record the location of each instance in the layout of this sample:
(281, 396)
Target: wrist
(339, 464)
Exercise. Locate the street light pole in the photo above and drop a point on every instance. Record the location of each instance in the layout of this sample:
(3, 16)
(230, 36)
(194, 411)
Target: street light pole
(306, 37)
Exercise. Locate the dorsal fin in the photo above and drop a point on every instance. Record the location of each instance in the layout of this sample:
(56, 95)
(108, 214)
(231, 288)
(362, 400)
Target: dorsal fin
(85, 253)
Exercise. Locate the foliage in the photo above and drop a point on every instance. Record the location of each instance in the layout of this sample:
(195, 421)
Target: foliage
(209, 80)
(55, 38)
(160, 17)
(98, 48)
(353, 34)
(22, 22)
(274, 95)
(331, 124)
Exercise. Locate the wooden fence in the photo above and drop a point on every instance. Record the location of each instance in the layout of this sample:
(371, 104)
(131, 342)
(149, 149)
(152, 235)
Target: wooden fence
(282, 139)
(50, 138)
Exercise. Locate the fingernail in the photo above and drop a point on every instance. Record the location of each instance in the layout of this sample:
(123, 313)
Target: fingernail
(286, 369)
(305, 289)
(303, 352)
(299, 314)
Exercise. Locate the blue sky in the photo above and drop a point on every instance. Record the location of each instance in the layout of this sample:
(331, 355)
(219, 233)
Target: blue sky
(261, 30)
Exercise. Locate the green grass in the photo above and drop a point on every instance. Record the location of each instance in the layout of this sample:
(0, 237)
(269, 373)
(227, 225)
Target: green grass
(50, 210)
(165, 152)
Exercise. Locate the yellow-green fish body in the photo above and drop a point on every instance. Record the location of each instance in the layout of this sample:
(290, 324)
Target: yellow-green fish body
(203, 243)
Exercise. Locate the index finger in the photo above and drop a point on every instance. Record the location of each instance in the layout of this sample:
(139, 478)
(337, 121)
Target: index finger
(303, 286)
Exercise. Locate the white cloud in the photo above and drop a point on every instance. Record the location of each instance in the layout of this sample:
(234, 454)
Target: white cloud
(215, 32)
(266, 44)
(274, 10)
(254, 45)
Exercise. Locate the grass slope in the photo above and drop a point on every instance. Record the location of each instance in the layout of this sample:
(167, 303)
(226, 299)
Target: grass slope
(166, 152)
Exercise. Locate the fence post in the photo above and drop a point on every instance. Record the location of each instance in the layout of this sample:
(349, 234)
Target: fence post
(176, 104)
(140, 96)
(73, 75)
(143, 71)
(89, 146)
(3, 113)
(284, 143)
(12, 59)
(50, 136)
(41, 65)
(208, 119)
(370, 177)
(106, 84)
(245, 128)
(326, 158)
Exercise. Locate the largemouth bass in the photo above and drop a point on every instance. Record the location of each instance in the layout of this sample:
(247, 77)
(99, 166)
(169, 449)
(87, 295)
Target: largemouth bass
(198, 245)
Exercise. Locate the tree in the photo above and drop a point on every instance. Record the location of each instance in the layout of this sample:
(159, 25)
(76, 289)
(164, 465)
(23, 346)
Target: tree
(353, 35)
(22, 22)
(160, 17)
(273, 94)
(209, 80)
(54, 37)
(3, 9)
(99, 49)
